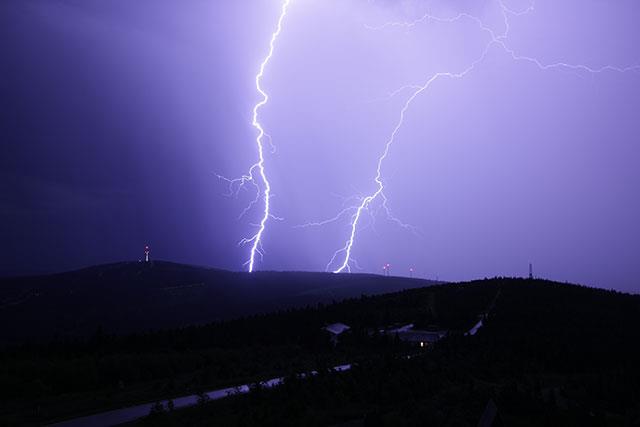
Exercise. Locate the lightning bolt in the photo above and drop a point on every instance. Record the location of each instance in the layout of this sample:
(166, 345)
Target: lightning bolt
(416, 90)
(366, 201)
(258, 168)
(257, 176)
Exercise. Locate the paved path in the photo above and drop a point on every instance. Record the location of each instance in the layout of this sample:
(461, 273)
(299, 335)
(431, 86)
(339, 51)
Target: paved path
(124, 415)
(132, 413)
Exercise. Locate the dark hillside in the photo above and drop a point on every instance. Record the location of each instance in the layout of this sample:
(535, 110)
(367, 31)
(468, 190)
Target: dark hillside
(548, 354)
(71, 377)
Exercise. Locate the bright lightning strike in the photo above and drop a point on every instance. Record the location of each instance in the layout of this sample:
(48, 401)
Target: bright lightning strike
(378, 178)
(494, 40)
(259, 168)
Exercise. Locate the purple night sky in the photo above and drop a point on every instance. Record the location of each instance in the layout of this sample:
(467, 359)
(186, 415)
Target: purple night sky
(118, 116)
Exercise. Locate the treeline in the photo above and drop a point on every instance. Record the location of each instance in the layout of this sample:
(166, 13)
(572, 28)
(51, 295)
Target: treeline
(45, 381)
(548, 354)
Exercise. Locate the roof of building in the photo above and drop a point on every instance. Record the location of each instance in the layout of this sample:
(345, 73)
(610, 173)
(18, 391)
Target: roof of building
(401, 328)
(336, 328)
(424, 336)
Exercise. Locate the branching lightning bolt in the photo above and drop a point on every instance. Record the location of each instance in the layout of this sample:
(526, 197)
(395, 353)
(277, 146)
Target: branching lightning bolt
(494, 40)
(257, 176)
(256, 240)
(378, 177)
(235, 185)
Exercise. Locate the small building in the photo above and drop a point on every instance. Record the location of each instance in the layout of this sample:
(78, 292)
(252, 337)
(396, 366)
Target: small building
(335, 330)
(421, 338)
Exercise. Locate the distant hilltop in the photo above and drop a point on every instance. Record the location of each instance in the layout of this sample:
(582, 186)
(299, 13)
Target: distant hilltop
(138, 296)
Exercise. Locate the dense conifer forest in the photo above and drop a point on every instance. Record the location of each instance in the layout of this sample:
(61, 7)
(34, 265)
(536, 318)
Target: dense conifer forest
(547, 353)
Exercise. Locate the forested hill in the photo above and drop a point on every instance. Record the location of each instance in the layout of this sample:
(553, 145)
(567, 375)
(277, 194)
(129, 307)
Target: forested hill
(547, 354)
(135, 296)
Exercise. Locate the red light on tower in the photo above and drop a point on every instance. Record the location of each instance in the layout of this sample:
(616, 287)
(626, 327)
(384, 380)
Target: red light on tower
(146, 253)
(411, 272)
